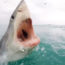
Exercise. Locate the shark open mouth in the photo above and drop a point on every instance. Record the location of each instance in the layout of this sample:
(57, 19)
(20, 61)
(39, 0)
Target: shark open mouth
(25, 33)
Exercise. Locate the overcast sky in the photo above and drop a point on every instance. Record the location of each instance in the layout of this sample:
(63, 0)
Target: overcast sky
(42, 11)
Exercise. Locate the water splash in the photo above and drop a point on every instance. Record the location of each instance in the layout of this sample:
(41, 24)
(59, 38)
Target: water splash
(3, 59)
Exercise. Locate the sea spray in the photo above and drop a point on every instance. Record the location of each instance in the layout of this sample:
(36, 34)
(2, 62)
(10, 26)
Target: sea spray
(3, 59)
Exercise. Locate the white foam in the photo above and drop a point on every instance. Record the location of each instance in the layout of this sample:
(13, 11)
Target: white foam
(22, 64)
(3, 59)
(37, 48)
(42, 49)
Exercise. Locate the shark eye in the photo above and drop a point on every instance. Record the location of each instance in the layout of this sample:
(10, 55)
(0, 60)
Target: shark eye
(12, 17)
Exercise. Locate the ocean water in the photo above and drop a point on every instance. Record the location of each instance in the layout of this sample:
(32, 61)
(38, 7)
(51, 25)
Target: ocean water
(50, 51)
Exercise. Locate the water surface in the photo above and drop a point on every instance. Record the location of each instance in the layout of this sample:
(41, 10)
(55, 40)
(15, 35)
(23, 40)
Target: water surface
(50, 51)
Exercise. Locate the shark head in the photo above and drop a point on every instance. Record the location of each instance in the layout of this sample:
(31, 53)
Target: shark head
(20, 38)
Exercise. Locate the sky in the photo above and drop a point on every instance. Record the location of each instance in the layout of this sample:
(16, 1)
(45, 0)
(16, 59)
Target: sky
(42, 11)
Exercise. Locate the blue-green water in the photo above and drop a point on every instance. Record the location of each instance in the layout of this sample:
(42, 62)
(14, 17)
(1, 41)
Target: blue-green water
(50, 51)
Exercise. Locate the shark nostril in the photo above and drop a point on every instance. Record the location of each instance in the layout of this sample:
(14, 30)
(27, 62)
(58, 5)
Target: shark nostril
(25, 34)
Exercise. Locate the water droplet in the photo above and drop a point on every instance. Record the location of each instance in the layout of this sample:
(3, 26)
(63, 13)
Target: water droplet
(37, 48)
(42, 49)
(22, 64)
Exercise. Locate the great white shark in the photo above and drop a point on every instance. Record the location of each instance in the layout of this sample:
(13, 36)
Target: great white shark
(19, 38)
